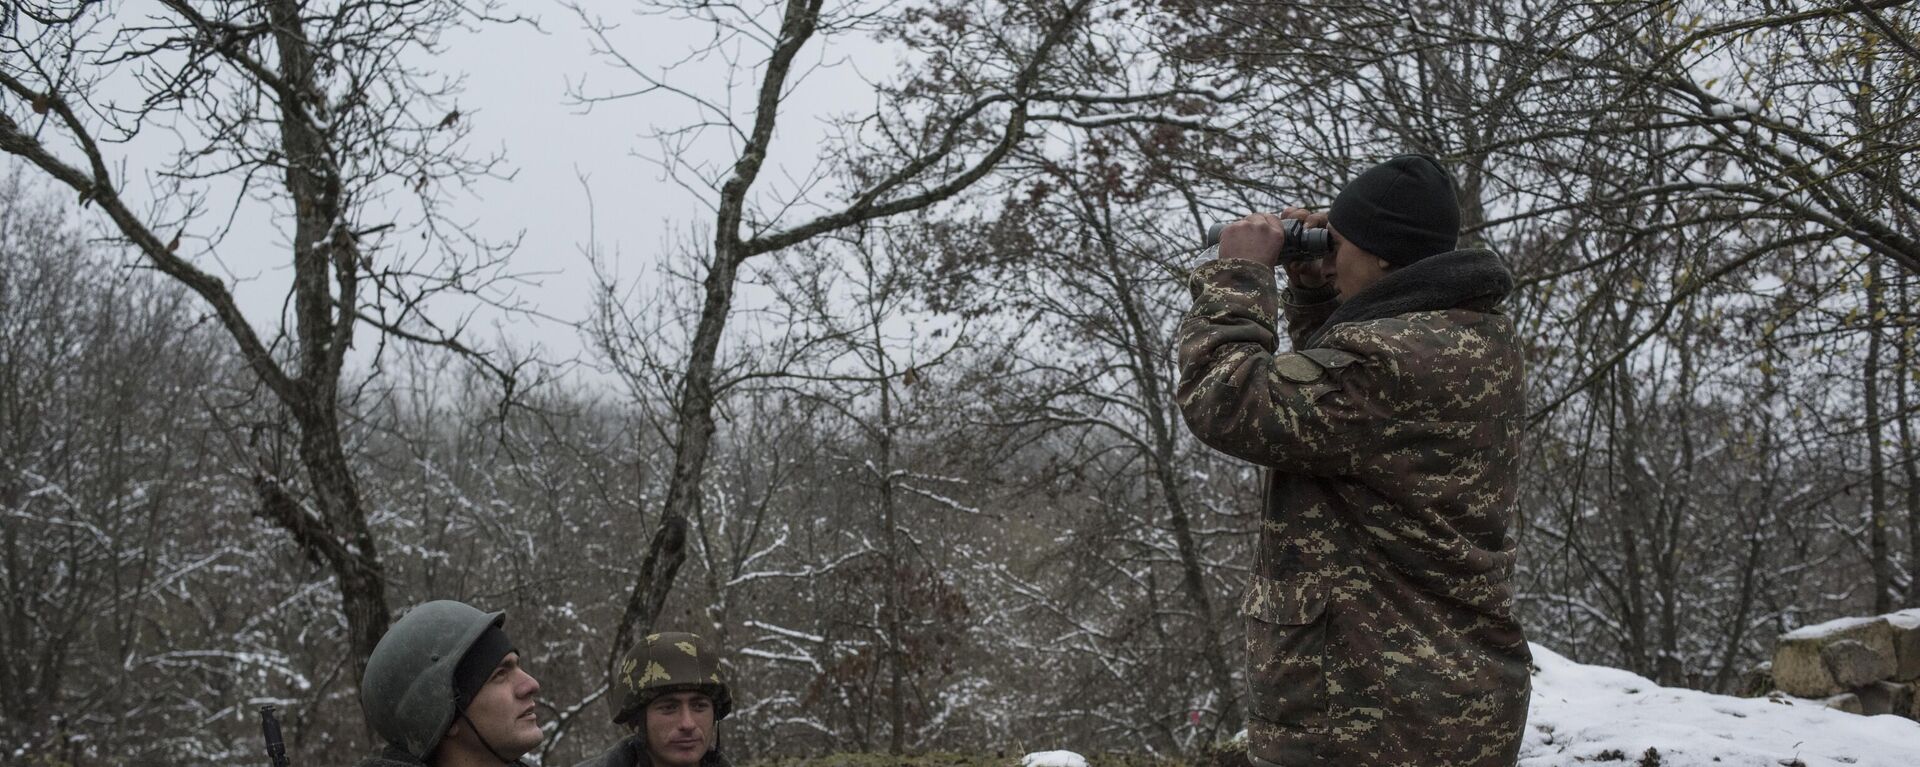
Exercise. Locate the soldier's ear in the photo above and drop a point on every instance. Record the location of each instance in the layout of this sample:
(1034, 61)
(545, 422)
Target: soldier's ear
(453, 729)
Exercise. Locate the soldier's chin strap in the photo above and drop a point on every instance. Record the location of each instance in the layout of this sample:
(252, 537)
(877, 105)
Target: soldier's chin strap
(483, 739)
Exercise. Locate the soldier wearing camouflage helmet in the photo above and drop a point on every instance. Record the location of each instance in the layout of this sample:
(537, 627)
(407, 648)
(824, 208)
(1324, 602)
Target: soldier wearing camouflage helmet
(444, 688)
(671, 696)
(1380, 625)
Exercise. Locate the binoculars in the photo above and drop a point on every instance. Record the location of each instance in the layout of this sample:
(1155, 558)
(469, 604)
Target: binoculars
(1301, 243)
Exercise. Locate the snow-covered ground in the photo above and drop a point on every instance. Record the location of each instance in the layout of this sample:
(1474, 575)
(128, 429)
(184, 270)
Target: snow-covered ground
(1580, 713)
(1595, 715)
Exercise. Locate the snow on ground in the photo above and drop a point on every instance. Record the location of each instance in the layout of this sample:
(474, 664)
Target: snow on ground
(1595, 715)
(1586, 714)
(1053, 759)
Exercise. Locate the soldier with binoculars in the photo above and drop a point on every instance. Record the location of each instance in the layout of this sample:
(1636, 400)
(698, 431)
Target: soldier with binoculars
(1380, 624)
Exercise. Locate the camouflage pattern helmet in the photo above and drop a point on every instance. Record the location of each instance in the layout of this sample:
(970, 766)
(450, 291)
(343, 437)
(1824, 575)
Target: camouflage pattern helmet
(669, 662)
(407, 691)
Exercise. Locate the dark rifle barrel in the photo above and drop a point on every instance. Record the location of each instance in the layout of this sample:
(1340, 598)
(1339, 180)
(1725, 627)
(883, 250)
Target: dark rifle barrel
(270, 729)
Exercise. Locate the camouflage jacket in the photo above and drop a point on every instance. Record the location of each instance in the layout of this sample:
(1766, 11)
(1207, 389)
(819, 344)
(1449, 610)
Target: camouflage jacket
(394, 756)
(1380, 626)
(632, 752)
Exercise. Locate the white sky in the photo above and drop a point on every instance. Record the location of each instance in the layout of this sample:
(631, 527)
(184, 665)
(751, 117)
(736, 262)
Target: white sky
(515, 101)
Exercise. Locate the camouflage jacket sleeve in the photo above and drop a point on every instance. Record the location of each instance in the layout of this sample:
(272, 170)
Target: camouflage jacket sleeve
(1306, 310)
(1300, 412)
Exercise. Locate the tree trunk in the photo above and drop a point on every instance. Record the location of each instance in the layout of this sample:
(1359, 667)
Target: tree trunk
(693, 407)
(324, 261)
(1674, 509)
(1880, 553)
(1146, 361)
(355, 562)
(1903, 381)
(1634, 496)
(694, 427)
(694, 423)
(890, 537)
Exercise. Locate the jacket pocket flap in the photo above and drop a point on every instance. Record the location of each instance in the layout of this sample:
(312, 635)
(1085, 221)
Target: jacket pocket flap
(1331, 359)
(1295, 602)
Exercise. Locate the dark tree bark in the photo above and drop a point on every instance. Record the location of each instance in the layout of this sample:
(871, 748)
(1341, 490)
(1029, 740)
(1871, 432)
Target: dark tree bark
(1879, 547)
(1909, 450)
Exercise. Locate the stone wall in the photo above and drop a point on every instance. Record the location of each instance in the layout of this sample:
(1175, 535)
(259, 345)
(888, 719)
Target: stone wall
(1865, 666)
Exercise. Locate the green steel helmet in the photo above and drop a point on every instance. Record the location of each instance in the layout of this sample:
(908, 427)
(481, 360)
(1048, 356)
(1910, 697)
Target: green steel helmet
(667, 662)
(408, 691)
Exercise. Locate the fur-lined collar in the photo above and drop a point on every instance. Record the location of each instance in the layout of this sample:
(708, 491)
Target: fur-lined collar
(1459, 279)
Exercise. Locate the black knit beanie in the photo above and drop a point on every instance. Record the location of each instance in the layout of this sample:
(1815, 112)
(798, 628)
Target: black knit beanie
(478, 664)
(1401, 210)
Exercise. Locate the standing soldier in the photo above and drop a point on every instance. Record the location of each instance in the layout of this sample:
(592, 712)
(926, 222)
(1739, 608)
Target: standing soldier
(445, 688)
(1380, 627)
(671, 698)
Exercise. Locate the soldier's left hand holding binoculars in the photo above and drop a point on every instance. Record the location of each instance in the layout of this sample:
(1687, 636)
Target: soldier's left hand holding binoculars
(1260, 238)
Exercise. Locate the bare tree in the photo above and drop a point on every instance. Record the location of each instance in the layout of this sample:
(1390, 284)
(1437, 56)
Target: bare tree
(991, 72)
(314, 116)
(1082, 248)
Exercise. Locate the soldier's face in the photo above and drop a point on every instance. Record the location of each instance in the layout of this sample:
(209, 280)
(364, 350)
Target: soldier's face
(679, 729)
(503, 711)
(1350, 269)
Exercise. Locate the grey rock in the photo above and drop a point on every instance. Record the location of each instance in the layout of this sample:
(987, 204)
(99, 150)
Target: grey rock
(1853, 663)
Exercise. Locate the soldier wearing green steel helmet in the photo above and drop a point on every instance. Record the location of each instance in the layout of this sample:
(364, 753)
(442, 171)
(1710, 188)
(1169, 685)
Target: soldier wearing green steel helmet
(444, 688)
(671, 695)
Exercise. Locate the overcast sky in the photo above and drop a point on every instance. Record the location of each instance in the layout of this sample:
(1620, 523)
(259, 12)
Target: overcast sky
(515, 101)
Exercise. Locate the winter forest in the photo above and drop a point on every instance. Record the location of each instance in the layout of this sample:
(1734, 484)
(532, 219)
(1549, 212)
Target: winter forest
(891, 419)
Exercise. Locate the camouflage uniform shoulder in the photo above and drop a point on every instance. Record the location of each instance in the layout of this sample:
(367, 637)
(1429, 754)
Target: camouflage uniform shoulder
(1371, 346)
(1458, 320)
(1400, 342)
(1383, 336)
(1452, 364)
